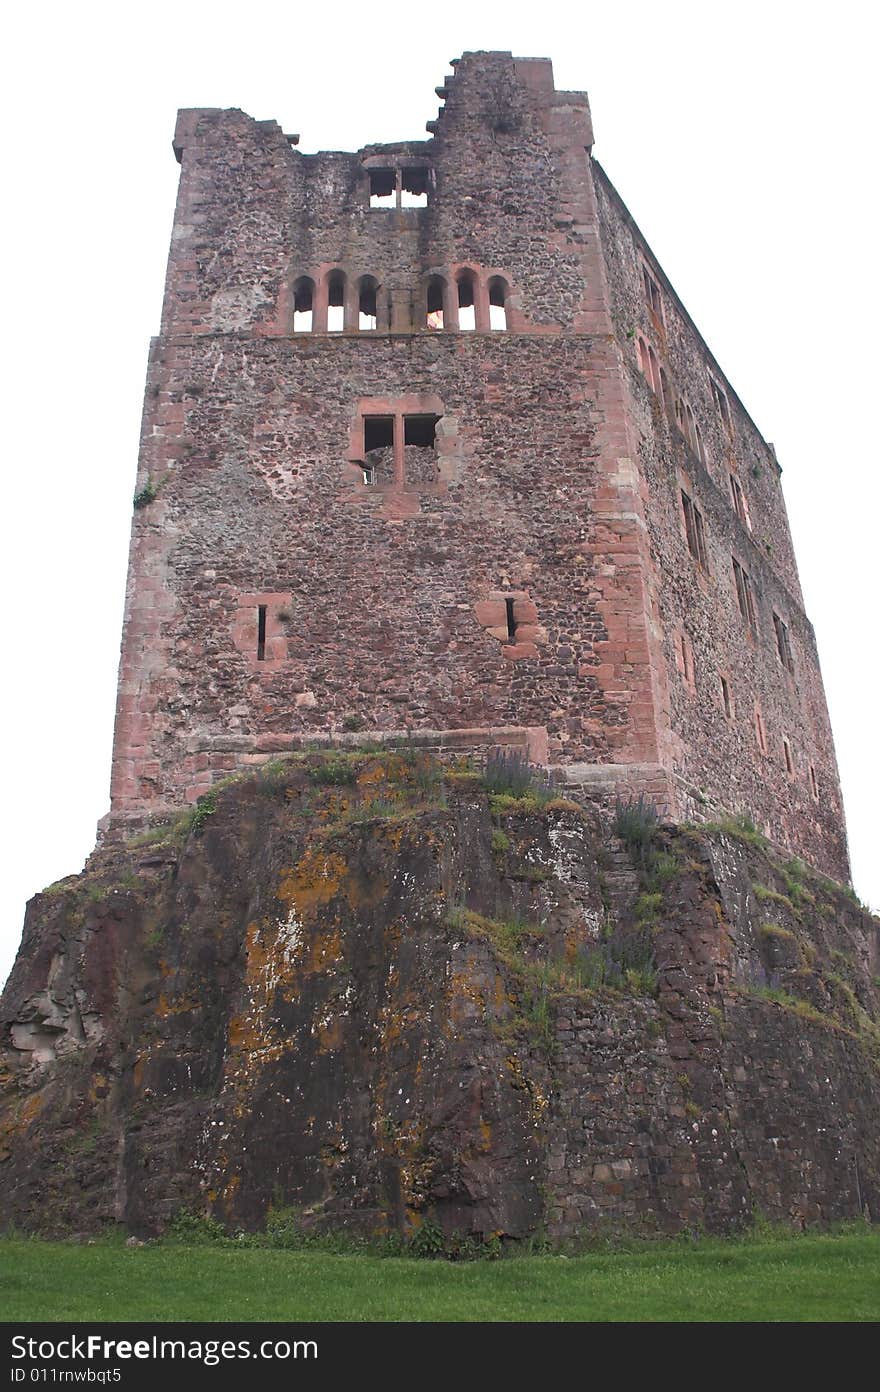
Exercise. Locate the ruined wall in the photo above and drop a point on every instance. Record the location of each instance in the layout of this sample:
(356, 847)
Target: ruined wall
(292, 576)
(363, 987)
(716, 755)
(384, 602)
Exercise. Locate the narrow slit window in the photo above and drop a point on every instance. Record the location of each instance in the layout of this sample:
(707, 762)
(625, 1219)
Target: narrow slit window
(745, 596)
(740, 506)
(786, 750)
(497, 303)
(783, 644)
(467, 313)
(414, 188)
(653, 298)
(336, 303)
(434, 303)
(726, 703)
(814, 786)
(759, 730)
(719, 396)
(383, 188)
(303, 306)
(367, 318)
(511, 621)
(261, 633)
(694, 530)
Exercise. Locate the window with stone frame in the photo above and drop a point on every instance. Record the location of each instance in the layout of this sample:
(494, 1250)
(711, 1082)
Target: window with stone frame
(745, 596)
(695, 530)
(783, 643)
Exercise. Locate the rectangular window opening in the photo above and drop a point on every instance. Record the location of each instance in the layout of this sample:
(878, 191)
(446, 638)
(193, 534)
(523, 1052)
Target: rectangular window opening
(814, 786)
(694, 530)
(420, 430)
(414, 188)
(261, 633)
(783, 645)
(653, 297)
(786, 749)
(378, 433)
(383, 188)
(511, 621)
(725, 698)
(745, 596)
(759, 731)
(719, 396)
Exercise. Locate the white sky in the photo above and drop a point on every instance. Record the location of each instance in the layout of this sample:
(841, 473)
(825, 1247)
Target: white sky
(743, 139)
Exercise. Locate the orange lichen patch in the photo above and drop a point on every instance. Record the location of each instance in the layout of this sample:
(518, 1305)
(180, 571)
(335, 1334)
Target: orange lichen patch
(24, 1112)
(466, 997)
(315, 880)
(166, 1005)
(322, 951)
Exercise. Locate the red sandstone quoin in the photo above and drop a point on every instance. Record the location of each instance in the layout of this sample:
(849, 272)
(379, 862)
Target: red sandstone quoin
(430, 444)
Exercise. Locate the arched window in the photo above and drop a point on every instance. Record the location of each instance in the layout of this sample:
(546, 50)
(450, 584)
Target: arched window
(367, 318)
(498, 292)
(434, 302)
(467, 313)
(303, 305)
(335, 302)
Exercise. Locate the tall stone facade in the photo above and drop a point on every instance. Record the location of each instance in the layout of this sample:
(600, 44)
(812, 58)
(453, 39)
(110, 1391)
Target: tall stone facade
(431, 445)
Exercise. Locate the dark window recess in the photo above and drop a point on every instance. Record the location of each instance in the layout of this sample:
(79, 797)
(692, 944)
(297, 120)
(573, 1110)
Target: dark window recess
(745, 596)
(725, 697)
(789, 762)
(694, 530)
(814, 786)
(378, 432)
(511, 621)
(383, 188)
(783, 646)
(420, 430)
(261, 633)
(414, 188)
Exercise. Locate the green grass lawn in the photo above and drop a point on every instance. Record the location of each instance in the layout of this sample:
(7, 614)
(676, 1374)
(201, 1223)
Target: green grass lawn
(798, 1278)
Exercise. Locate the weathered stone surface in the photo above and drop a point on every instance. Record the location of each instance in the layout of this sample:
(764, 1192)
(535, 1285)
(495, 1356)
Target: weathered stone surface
(360, 999)
(379, 564)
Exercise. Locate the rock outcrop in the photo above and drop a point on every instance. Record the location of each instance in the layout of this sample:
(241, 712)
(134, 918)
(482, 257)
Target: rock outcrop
(366, 988)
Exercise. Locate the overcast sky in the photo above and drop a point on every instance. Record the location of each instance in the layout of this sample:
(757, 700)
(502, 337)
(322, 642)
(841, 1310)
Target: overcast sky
(742, 138)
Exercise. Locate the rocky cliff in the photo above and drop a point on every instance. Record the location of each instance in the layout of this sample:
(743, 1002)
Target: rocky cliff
(368, 988)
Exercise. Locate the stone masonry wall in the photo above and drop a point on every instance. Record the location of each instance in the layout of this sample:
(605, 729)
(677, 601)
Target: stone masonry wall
(293, 576)
(715, 755)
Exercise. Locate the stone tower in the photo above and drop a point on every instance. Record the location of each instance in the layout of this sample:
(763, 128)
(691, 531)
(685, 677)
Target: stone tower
(430, 444)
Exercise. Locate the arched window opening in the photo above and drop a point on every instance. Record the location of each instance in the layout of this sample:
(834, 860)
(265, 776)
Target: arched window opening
(497, 303)
(434, 304)
(467, 313)
(336, 302)
(303, 305)
(367, 318)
